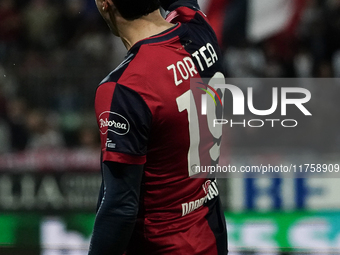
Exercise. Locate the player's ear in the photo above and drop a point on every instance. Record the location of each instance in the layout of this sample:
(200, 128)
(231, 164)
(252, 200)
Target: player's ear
(106, 4)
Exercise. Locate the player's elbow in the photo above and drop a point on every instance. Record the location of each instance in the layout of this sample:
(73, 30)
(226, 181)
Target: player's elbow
(129, 212)
(127, 209)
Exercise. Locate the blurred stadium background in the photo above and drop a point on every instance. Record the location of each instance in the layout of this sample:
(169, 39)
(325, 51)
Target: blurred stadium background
(53, 53)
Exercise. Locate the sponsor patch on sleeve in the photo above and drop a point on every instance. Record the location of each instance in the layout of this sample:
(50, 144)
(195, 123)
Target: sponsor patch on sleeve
(113, 122)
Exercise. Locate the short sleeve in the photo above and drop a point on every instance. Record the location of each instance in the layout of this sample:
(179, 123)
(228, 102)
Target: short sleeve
(124, 121)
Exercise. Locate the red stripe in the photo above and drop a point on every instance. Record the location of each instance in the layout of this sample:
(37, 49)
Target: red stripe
(123, 158)
(215, 93)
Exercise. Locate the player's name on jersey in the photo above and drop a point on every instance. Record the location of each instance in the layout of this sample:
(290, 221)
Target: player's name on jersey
(184, 69)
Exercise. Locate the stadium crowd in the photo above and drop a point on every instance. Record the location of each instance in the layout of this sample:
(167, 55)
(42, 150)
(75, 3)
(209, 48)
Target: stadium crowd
(54, 53)
(310, 49)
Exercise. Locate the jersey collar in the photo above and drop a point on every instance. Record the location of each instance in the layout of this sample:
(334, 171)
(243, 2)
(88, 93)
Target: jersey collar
(166, 35)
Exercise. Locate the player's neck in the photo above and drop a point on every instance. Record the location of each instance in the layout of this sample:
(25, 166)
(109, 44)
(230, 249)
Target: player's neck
(144, 27)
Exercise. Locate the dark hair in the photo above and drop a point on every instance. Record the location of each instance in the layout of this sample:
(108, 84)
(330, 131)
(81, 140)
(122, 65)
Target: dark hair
(134, 9)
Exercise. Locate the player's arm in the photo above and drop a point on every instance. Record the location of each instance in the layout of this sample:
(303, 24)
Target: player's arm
(170, 5)
(118, 209)
(124, 121)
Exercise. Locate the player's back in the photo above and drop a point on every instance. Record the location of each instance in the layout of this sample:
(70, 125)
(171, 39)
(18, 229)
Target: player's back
(177, 213)
(172, 203)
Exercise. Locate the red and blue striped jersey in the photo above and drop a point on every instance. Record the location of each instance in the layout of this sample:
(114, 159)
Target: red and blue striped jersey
(142, 110)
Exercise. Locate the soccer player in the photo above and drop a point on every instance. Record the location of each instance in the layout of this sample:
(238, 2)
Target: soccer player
(149, 204)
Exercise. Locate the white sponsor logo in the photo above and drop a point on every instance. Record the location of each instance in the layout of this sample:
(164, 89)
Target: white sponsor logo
(110, 144)
(193, 205)
(113, 122)
(211, 191)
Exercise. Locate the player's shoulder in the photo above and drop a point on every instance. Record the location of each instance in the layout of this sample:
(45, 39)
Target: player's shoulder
(131, 79)
(115, 75)
(136, 66)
